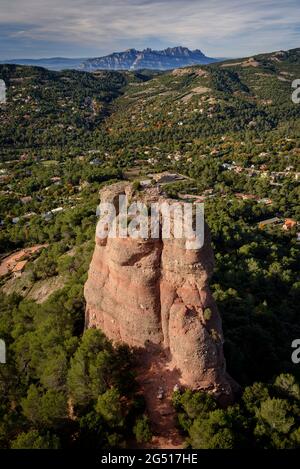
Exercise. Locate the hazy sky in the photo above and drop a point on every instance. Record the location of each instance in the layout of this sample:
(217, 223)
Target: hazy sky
(86, 28)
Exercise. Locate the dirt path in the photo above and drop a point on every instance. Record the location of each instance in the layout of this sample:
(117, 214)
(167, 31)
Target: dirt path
(155, 373)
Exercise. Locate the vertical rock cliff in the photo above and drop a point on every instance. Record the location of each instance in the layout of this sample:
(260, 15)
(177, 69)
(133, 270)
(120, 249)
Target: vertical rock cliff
(153, 294)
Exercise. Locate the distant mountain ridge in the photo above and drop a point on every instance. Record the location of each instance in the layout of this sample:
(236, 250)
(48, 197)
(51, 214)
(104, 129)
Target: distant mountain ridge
(133, 59)
(130, 59)
(53, 63)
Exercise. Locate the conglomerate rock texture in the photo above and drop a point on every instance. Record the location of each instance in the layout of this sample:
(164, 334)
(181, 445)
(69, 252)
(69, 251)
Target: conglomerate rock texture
(153, 294)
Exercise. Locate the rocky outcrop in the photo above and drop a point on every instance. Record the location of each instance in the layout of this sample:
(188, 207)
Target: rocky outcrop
(153, 294)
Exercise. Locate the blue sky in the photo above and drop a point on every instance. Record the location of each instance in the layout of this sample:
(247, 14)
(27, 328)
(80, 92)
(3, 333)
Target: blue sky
(87, 28)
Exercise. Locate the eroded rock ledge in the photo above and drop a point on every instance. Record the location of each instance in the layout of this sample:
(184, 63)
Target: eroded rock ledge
(154, 295)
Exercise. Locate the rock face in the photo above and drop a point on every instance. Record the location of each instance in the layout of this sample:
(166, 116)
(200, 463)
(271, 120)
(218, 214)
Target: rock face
(133, 59)
(153, 294)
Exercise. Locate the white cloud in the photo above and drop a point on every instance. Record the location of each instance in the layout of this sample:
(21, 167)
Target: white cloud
(228, 27)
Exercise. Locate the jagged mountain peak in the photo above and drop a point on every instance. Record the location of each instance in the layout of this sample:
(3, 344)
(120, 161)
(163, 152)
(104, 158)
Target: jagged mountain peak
(132, 59)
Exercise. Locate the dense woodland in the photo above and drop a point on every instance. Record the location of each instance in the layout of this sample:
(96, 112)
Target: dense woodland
(233, 130)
